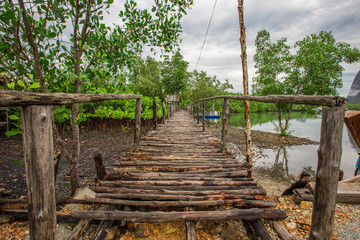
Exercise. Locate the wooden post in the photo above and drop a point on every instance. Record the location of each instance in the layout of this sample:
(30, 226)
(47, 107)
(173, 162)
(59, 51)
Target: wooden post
(164, 112)
(154, 114)
(39, 170)
(198, 113)
(99, 164)
(329, 154)
(225, 124)
(137, 125)
(203, 115)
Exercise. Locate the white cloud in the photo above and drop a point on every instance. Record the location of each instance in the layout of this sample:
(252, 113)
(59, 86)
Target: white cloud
(291, 19)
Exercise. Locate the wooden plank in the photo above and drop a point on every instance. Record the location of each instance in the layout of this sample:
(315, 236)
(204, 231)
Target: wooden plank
(247, 214)
(39, 170)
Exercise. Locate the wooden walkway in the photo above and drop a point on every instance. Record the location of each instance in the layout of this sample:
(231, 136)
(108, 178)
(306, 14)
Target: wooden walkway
(179, 174)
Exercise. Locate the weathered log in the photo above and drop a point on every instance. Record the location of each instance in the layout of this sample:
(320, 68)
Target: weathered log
(180, 203)
(203, 115)
(183, 168)
(198, 113)
(154, 114)
(18, 98)
(329, 154)
(281, 230)
(137, 125)
(352, 121)
(259, 229)
(39, 170)
(164, 112)
(101, 230)
(99, 164)
(79, 229)
(190, 228)
(247, 214)
(225, 124)
(330, 101)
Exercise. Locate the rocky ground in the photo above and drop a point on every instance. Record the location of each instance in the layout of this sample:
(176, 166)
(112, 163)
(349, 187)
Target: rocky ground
(114, 143)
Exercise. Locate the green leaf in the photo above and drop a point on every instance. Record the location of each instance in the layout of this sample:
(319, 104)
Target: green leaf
(14, 117)
(35, 85)
(11, 85)
(171, 230)
(21, 83)
(13, 132)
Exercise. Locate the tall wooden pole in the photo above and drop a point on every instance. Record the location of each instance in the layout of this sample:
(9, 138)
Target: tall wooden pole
(245, 82)
(155, 114)
(203, 115)
(329, 154)
(137, 125)
(225, 124)
(39, 170)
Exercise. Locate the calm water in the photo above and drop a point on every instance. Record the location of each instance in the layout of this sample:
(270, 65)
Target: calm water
(292, 160)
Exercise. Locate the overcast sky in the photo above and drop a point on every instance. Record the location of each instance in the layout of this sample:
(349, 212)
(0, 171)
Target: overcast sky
(293, 19)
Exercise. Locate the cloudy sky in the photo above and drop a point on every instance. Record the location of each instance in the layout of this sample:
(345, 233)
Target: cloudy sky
(293, 19)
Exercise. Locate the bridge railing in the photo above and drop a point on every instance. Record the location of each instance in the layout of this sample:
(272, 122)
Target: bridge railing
(329, 151)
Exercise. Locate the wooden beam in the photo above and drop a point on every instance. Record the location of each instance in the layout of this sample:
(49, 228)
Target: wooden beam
(39, 170)
(259, 229)
(17, 98)
(329, 154)
(99, 164)
(164, 112)
(198, 113)
(330, 101)
(247, 214)
(137, 125)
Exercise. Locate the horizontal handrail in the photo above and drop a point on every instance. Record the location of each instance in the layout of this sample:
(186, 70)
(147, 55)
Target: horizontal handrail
(330, 101)
(17, 98)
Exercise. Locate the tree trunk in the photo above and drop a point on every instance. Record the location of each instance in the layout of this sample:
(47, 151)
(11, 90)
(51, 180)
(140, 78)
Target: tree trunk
(154, 114)
(225, 124)
(203, 115)
(245, 82)
(39, 170)
(137, 125)
(76, 149)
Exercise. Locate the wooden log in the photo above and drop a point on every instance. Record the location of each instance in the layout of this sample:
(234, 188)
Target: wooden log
(164, 112)
(101, 230)
(259, 229)
(225, 124)
(180, 203)
(79, 229)
(99, 164)
(329, 154)
(137, 125)
(352, 121)
(190, 228)
(282, 232)
(247, 214)
(154, 114)
(39, 170)
(221, 193)
(330, 101)
(183, 168)
(198, 113)
(203, 115)
(19, 98)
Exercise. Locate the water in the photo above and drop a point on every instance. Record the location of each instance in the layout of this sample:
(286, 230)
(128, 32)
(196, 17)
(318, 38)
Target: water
(293, 159)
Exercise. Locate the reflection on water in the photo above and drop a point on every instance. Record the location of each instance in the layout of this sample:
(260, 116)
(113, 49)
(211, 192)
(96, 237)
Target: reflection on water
(290, 161)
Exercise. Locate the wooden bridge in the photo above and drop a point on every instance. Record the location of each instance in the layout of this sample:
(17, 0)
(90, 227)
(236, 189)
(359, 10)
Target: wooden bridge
(177, 169)
(180, 166)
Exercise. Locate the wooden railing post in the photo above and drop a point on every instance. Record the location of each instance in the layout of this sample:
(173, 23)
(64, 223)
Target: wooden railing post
(198, 113)
(39, 170)
(137, 125)
(203, 115)
(329, 154)
(225, 124)
(155, 114)
(164, 112)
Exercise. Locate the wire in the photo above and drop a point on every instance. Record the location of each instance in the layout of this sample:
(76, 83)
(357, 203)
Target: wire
(207, 31)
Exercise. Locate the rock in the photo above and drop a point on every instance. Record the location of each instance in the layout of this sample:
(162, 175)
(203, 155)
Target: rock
(82, 193)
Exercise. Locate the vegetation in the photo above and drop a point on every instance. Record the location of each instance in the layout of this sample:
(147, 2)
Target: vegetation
(313, 70)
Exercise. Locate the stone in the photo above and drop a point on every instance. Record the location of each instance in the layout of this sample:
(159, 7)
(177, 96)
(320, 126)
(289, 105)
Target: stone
(82, 193)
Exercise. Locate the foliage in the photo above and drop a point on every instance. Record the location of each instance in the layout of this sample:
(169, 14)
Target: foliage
(353, 106)
(313, 70)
